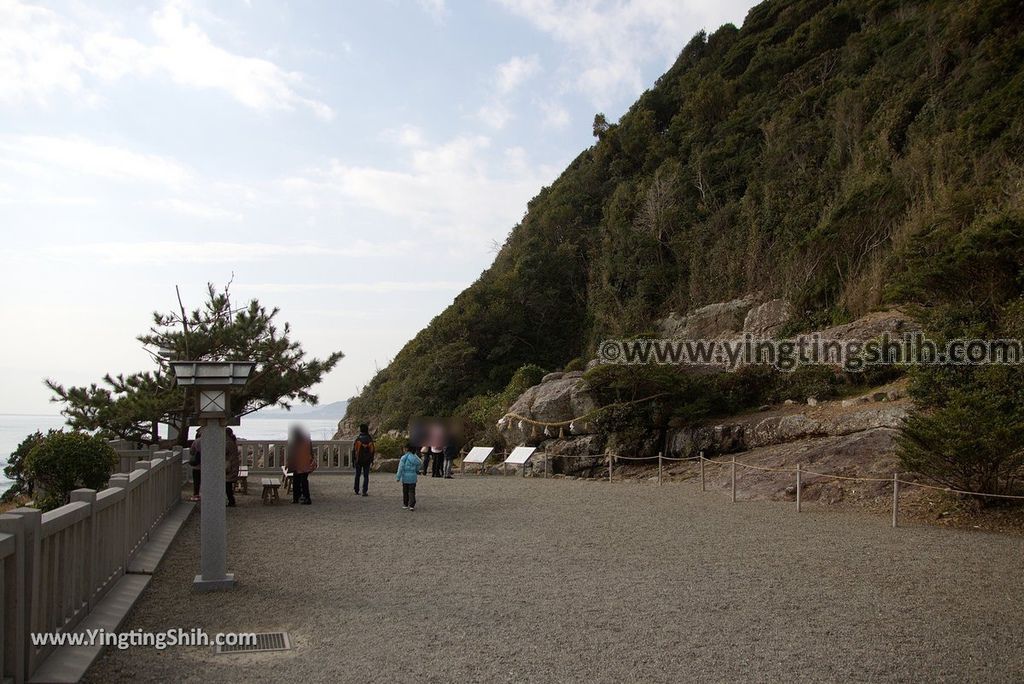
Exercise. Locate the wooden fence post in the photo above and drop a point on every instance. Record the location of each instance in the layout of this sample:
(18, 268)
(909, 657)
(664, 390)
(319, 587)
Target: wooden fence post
(700, 457)
(798, 472)
(734, 479)
(895, 497)
(610, 460)
(659, 468)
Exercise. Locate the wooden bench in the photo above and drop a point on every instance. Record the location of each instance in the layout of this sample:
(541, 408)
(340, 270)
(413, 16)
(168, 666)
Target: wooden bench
(270, 490)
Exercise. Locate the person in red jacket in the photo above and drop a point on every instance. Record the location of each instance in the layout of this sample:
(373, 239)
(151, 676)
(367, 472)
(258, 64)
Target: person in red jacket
(300, 462)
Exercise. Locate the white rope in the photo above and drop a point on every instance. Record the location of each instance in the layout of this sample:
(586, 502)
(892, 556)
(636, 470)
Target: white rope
(861, 479)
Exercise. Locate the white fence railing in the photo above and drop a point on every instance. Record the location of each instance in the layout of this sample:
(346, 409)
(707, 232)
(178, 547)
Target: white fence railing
(269, 454)
(56, 566)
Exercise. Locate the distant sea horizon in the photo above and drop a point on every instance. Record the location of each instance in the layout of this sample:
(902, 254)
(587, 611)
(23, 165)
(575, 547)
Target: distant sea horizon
(16, 427)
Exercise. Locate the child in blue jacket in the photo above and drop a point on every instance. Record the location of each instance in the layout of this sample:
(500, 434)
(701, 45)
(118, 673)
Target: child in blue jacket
(408, 468)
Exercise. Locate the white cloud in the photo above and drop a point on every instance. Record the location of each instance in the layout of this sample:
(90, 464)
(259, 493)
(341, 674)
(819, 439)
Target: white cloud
(196, 209)
(38, 155)
(212, 252)
(555, 114)
(495, 114)
(43, 53)
(515, 72)
(508, 77)
(611, 40)
(383, 286)
(437, 9)
(458, 191)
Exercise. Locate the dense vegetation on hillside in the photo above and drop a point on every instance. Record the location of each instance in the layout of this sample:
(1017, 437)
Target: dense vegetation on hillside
(841, 154)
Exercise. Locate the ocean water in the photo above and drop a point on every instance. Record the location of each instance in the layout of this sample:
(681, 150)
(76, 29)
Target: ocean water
(14, 428)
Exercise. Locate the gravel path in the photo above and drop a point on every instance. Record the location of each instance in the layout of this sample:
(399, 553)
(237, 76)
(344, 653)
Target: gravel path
(506, 579)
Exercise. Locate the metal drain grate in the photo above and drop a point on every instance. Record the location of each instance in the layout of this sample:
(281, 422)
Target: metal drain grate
(265, 641)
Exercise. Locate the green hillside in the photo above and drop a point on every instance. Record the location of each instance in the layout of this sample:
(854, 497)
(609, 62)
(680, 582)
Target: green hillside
(840, 154)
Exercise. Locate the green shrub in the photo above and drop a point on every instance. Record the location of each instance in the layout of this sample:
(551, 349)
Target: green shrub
(390, 446)
(15, 468)
(64, 461)
(972, 443)
(576, 364)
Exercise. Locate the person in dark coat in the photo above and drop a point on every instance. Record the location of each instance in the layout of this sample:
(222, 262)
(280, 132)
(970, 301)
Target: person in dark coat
(363, 451)
(195, 459)
(451, 450)
(232, 464)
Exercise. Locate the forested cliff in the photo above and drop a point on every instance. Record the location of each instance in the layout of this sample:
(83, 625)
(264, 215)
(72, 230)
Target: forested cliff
(842, 155)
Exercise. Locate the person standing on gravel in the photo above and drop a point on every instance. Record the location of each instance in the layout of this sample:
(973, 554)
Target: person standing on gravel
(232, 464)
(437, 441)
(451, 450)
(363, 451)
(195, 459)
(408, 470)
(300, 462)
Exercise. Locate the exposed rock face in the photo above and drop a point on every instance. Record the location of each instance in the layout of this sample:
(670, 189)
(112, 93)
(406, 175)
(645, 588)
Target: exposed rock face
(556, 399)
(756, 431)
(385, 465)
(573, 455)
(871, 326)
(766, 320)
(869, 453)
(719, 320)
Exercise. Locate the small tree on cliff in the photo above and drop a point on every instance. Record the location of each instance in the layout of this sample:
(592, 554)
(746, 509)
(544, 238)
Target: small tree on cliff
(132, 406)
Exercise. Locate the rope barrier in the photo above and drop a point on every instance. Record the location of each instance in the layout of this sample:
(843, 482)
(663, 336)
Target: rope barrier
(887, 480)
(789, 471)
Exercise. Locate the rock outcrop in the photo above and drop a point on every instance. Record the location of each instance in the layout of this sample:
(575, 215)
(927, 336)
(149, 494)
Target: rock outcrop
(767, 320)
(559, 397)
(782, 426)
(718, 320)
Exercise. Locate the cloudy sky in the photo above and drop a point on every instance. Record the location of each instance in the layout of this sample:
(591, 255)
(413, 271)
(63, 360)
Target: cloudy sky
(350, 162)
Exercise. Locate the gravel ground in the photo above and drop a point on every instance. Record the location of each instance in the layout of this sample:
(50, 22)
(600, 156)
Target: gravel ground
(511, 579)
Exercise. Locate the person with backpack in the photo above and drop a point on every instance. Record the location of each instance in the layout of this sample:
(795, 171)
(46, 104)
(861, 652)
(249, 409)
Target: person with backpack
(300, 462)
(363, 451)
(408, 469)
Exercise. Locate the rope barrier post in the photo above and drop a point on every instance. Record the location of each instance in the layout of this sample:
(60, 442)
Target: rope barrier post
(895, 496)
(701, 457)
(610, 458)
(659, 467)
(798, 487)
(734, 479)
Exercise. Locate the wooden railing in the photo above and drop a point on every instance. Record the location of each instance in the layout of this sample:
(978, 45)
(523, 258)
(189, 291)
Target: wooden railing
(56, 566)
(269, 454)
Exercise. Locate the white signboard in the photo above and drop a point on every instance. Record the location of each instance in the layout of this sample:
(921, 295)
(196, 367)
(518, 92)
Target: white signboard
(520, 455)
(478, 454)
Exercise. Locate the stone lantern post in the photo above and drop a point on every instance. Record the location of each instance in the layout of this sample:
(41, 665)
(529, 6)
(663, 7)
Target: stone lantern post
(213, 381)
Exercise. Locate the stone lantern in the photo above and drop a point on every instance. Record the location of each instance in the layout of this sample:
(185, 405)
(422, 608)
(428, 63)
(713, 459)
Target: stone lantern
(213, 382)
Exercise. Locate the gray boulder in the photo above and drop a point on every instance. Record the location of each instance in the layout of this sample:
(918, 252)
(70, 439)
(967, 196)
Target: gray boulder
(554, 400)
(766, 320)
(718, 320)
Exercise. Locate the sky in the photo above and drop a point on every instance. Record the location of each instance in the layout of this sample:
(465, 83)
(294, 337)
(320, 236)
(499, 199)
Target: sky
(352, 163)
